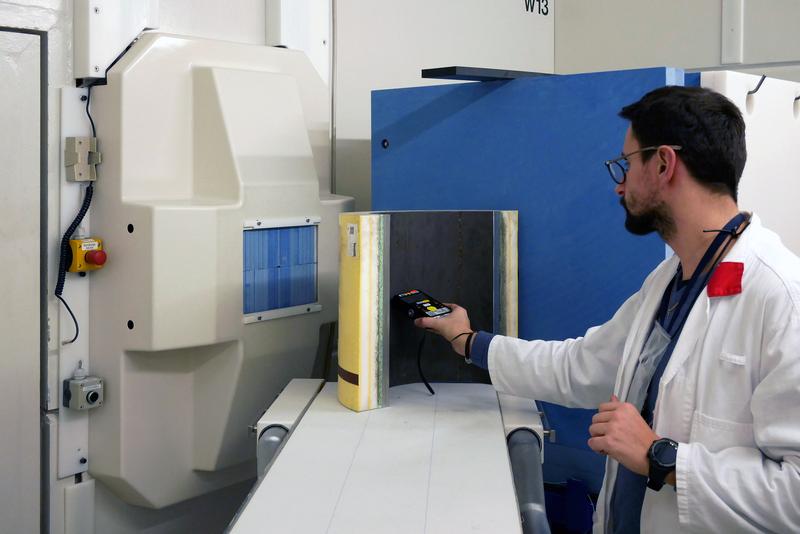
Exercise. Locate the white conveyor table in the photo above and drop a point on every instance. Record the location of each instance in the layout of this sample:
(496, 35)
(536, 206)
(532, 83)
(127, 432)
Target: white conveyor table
(426, 464)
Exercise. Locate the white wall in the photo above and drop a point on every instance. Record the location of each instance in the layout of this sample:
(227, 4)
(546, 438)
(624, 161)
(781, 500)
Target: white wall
(302, 25)
(622, 34)
(19, 282)
(242, 21)
(769, 185)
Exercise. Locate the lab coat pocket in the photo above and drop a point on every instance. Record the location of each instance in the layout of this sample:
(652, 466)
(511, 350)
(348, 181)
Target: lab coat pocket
(719, 434)
(734, 359)
(731, 379)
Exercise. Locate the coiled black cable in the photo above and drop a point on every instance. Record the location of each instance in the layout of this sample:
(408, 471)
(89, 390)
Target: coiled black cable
(64, 253)
(64, 256)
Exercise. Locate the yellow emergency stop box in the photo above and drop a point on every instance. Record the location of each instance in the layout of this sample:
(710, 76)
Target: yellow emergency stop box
(87, 254)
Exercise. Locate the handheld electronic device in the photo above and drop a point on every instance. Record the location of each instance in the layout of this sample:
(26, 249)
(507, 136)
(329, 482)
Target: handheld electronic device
(418, 304)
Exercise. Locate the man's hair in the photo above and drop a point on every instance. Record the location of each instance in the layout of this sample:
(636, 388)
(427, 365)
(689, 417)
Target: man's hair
(707, 126)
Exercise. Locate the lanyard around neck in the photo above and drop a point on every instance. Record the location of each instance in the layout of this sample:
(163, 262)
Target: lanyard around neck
(694, 286)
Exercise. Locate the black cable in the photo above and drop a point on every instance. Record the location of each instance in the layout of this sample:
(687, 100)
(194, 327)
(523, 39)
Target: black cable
(64, 253)
(74, 320)
(734, 233)
(754, 91)
(419, 362)
(88, 113)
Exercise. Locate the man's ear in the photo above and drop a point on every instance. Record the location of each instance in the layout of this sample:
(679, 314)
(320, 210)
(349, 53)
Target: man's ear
(663, 161)
(667, 160)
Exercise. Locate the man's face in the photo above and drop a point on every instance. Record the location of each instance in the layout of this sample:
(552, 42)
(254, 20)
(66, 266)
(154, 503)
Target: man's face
(640, 194)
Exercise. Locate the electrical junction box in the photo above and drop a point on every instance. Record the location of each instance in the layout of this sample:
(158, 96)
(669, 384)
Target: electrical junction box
(83, 393)
(81, 158)
(87, 254)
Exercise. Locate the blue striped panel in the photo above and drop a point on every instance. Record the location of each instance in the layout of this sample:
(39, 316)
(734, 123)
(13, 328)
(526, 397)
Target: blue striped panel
(280, 268)
(249, 289)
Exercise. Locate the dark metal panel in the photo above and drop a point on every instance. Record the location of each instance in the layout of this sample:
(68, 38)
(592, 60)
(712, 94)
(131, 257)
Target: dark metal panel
(449, 255)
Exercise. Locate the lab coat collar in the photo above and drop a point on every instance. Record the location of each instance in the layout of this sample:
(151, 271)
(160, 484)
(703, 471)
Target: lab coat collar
(742, 250)
(697, 323)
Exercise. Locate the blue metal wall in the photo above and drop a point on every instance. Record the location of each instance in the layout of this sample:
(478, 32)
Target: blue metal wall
(535, 145)
(280, 268)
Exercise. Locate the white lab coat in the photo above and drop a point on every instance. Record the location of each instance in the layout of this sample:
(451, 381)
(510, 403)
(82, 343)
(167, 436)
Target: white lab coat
(730, 395)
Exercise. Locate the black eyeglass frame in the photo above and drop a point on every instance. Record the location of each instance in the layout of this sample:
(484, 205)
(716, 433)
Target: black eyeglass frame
(616, 162)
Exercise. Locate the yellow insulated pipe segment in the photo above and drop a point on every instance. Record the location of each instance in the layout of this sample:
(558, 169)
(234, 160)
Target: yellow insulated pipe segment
(363, 351)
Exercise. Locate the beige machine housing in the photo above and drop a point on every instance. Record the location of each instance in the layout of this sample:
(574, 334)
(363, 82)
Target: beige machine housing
(199, 139)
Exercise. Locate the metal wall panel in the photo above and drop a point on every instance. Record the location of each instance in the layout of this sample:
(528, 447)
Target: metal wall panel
(20, 283)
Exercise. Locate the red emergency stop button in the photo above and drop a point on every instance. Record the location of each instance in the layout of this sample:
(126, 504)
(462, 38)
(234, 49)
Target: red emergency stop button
(96, 257)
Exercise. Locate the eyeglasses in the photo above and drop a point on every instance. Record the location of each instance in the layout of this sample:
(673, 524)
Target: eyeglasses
(618, 168)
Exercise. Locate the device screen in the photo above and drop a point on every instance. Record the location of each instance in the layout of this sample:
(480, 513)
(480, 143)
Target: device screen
(421, 304)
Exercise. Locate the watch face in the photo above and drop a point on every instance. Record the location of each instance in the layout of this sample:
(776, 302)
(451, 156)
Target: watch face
(664, 452)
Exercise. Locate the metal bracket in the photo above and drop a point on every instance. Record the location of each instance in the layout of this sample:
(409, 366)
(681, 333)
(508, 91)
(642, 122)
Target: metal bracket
(477, 74)
(81, 158)
(549, 433)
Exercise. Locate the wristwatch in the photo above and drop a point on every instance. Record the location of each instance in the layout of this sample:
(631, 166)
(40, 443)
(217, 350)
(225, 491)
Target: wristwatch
(662, 454)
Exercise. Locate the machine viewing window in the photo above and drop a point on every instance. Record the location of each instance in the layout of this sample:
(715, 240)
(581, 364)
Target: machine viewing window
(280, 268)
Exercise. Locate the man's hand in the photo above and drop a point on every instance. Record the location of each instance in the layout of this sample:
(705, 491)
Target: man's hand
(449, 326)
(619, 431)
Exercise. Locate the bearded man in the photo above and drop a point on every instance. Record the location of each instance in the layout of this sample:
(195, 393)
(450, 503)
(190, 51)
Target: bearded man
(696, 378)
